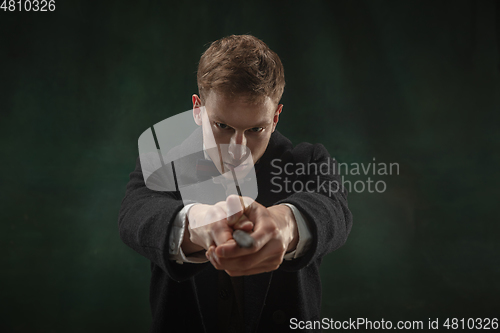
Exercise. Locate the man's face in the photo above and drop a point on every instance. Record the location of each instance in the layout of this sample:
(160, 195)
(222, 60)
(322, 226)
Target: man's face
(240, 129)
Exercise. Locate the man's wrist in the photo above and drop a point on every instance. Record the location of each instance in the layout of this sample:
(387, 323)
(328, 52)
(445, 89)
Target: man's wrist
(289, 224)
(294, 230)
(188, 247)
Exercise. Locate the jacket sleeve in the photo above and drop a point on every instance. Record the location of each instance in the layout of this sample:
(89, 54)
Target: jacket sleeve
(323, 203)
(145, 220)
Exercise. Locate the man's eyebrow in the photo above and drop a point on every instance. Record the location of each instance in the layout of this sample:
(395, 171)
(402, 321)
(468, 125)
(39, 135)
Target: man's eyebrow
(259, 124)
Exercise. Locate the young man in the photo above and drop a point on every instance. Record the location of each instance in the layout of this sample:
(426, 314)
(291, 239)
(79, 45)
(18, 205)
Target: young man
(201, 279)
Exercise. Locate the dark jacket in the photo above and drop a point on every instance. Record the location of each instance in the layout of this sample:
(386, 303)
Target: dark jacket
(189, 296)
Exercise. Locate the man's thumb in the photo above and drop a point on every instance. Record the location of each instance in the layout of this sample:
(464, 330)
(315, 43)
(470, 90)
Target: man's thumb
(234, 208)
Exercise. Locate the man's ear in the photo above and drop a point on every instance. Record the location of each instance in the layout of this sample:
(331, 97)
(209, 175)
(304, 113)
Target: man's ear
(196, 109)
(279, 109)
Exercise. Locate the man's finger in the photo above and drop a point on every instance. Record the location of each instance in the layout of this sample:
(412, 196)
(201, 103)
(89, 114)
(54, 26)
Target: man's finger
(243, 224)
(221, 235)
(270, 255)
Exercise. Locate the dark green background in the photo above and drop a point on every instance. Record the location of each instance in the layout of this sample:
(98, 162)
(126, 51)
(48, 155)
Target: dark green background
(414, 83)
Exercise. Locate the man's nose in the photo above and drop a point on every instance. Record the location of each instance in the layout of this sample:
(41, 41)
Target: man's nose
(238, 147)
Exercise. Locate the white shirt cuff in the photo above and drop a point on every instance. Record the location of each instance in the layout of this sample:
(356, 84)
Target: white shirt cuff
(305, 236)
(175, 240)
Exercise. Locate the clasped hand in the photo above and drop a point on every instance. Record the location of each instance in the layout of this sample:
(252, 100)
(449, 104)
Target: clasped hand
(274, 230)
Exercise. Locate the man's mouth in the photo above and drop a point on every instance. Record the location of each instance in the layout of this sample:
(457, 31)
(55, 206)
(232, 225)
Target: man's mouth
(236, 168)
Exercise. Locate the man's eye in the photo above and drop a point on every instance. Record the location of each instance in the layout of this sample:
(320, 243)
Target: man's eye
(222, 126)
(256, 129)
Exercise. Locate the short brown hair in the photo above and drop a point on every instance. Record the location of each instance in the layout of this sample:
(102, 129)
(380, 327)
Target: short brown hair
(241, 65)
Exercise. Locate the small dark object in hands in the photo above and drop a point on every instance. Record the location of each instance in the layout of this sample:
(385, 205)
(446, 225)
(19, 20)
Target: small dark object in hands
(243, 239)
